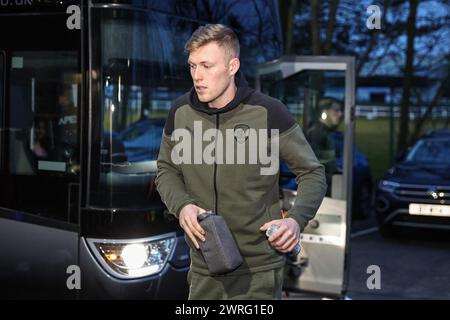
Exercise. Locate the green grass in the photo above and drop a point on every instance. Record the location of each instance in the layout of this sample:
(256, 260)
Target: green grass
(373, 139)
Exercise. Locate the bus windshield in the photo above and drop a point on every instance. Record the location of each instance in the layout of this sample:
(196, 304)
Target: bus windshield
(142, 67)
(139, 79)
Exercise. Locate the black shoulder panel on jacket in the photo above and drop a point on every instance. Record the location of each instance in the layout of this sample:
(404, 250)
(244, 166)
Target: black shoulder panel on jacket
(170, 122)
(278, 114)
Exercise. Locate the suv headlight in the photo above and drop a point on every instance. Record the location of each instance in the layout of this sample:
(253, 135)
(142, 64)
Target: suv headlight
(388, 186)
(134, 258)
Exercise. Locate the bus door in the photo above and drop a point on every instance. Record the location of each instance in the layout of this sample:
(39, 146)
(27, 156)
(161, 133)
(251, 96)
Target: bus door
(40, 96)
(319, 92)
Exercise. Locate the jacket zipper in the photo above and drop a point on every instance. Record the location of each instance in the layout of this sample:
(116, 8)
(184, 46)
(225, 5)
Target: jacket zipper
(215, 167)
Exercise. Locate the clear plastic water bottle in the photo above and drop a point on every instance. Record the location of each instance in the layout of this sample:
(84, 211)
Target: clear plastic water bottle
(273, 228)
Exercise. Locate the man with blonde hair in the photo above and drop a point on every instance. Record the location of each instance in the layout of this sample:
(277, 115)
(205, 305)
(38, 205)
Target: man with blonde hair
(223, 105)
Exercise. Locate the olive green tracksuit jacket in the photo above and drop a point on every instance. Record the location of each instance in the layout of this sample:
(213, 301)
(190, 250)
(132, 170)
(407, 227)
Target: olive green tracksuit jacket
(235, 190)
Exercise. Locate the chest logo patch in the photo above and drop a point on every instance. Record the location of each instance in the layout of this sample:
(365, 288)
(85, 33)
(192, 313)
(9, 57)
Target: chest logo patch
(241, 132)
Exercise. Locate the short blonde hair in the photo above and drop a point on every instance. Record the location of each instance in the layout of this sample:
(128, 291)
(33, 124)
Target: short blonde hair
(222, 35)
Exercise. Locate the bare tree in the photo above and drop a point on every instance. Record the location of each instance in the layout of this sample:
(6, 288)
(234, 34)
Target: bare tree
(408, 75)
(443, 85)
(287, 9)
(315, 27)
(332, 13)
(374, 37)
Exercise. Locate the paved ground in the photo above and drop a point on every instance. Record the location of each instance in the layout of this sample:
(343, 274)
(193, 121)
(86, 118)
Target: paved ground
(413, 265)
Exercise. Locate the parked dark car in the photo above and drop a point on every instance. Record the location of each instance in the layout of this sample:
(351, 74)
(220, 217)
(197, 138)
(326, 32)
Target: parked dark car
(416, 191)
(362, 178)
(141, 139)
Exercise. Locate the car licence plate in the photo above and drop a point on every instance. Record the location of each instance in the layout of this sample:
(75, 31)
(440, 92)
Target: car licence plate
(429, 210)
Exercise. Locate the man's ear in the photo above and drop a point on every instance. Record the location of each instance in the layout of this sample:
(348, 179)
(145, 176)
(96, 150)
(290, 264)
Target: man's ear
(234, 66)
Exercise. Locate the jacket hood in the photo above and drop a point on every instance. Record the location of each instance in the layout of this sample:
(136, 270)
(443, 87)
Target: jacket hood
(243, 91)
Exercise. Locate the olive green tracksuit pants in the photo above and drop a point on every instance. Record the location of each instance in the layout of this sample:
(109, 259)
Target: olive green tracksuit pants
(263, 285)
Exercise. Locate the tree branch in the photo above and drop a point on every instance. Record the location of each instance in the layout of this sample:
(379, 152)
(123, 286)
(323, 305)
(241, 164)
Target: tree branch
(373, 41)
(418, 127)
(315, 27)
(334, 4)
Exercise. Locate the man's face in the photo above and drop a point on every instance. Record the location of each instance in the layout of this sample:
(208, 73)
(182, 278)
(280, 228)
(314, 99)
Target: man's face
(211, 71)
(334, 115)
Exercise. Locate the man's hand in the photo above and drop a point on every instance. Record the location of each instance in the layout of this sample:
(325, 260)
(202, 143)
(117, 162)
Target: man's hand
(189, 223)
(286, 237)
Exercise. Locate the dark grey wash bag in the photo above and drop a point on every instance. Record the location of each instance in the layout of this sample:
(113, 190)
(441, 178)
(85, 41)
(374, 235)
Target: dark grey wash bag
(219, 249)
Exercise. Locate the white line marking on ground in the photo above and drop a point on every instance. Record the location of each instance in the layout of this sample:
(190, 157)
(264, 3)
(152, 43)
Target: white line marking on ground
(364, 232)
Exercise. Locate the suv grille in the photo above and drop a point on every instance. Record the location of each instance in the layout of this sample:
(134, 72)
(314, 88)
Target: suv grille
(422, 193)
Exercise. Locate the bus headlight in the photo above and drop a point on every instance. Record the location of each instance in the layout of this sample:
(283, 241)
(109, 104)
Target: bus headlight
(134, 255)
(137, 258)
